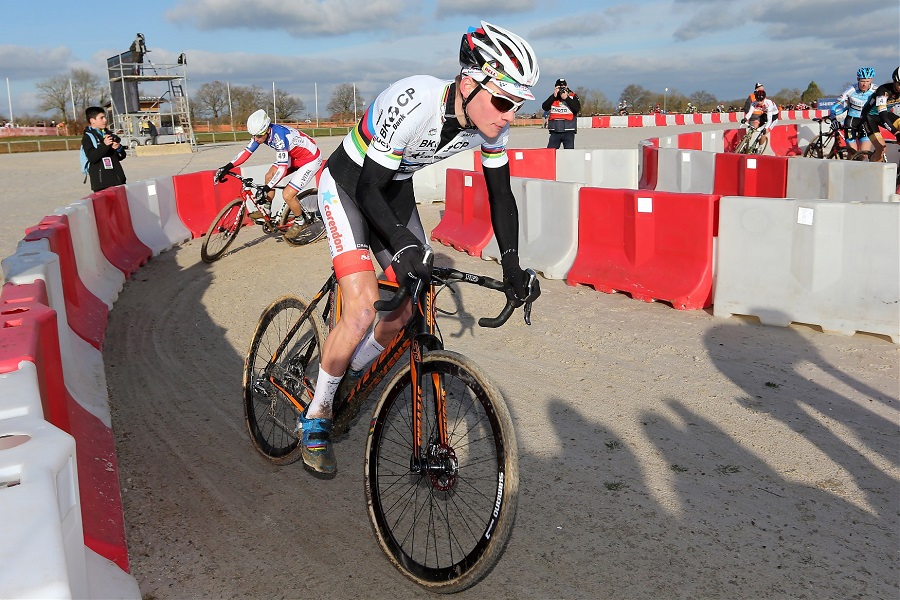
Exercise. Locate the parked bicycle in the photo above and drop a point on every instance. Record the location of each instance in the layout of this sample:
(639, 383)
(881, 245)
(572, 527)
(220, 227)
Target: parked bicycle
(441, 461)
(753, 142)
(831, 144)
(276, 218)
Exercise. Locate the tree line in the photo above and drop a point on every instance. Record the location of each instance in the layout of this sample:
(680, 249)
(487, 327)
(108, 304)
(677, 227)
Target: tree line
(639, 98)
(210, 102)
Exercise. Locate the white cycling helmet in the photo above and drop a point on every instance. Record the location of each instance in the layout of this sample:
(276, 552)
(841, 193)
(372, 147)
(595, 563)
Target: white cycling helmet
(258, 123)
(502, 57)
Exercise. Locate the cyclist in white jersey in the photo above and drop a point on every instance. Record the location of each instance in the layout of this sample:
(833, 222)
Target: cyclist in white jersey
(297, 155)
(761, 113)
(366, 200)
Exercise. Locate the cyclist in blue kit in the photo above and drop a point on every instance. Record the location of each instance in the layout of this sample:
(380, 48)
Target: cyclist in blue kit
(367, 202)
(852, 101)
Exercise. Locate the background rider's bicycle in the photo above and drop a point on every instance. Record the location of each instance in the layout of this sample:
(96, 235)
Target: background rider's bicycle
(441, 461)
(753, 142)
(831, 144)
(230, 219)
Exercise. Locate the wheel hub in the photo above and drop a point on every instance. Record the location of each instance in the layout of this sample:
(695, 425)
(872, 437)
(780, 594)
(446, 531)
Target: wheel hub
(442, 467)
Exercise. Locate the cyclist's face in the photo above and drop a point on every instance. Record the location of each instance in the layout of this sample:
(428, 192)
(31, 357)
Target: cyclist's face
(483, 111)
(864, 84)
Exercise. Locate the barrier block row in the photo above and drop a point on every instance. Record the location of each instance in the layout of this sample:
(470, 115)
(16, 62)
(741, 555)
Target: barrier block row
(826, 263)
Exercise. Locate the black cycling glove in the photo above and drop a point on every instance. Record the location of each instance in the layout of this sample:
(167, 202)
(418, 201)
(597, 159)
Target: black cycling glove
(409, 260)
(220, 173)
(525, 287)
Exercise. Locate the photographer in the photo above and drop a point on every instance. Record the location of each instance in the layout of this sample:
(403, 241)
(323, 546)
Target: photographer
(103, 151)
(564, 107)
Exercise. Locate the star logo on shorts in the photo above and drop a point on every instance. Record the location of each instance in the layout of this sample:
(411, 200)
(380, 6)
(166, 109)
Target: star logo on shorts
(327, 197)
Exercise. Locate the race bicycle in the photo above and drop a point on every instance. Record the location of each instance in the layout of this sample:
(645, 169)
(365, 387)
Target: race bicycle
(831, 144)
(231, 218)
(753, 142)
(441, 461)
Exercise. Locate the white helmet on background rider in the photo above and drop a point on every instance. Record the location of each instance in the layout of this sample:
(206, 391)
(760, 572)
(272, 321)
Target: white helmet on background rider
(491, 53)
(258, 123)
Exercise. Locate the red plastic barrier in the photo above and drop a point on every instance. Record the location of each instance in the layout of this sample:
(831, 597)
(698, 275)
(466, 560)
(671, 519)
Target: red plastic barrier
(660, 120)
(690, 141)
(716, 117)
(750, 175)
(651, 245)
(602, 122)
(731, 138)
(466, 224)
(28, 332)
(679, 119)
(119, 243)
(785, 140)
(649, 165)
(536, 163)
(199, 200)
(635, 121)
(86, 313)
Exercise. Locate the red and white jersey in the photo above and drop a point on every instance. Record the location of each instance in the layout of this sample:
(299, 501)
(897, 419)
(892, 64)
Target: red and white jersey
(293, 149)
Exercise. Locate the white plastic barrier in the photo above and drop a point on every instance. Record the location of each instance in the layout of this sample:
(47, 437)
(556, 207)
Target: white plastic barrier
(42, 546)
(584, 122)
(618, 121)
(713, 141)
(548, 226)
(82, 364)
(430, 183)
(685, 171)
(20, 394)
(598, 168)
(99, 276)
(842, 180)
(154, 215)
(820, 262)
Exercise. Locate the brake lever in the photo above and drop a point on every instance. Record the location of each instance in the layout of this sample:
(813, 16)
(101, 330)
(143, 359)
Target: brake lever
(532, 277)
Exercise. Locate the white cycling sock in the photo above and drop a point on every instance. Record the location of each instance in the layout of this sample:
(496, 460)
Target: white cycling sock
(367, 351)
(326, 386)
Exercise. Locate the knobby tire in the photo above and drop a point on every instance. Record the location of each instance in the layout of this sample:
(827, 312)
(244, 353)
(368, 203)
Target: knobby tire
(444, 534)
(271, 418)
(222, 231)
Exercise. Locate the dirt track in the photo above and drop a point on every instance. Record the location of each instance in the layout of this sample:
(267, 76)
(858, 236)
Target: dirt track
(663, 453)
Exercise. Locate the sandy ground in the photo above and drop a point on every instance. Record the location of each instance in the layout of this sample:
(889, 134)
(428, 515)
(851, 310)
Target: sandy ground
(663, 453)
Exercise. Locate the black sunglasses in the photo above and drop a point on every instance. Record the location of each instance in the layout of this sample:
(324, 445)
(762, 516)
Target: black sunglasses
(502, 103)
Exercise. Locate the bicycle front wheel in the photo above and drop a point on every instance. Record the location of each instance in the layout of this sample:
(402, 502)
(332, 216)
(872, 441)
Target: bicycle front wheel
(742, 147)
(443, 518)
(760, 145)
(270, 415)
(222, 231)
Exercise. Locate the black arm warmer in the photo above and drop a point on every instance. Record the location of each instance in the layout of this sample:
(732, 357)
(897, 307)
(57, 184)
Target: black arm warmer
(373, 181)
(504, 212)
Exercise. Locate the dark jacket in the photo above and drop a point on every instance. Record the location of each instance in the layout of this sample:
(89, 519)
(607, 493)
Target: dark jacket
(563, 113)
(103, 173)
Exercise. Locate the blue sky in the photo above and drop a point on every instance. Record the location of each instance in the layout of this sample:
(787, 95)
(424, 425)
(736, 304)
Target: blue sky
(720, 46)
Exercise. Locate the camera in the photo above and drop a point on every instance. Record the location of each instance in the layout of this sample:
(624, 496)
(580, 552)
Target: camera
(563, 88)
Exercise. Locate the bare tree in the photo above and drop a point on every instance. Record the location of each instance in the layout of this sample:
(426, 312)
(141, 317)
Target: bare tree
(289, 107)
(636, 96)
(341, 103)
(87, 88)
(211, 101)
(703, 101)
(247, 100)
(54, 95)
(593, 102)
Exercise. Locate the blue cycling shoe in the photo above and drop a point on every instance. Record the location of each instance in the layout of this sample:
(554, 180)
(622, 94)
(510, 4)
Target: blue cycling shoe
(315, 444)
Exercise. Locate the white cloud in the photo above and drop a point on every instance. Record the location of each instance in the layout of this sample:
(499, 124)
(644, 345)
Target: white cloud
(447, 8)
(22, 62)
(296, 17)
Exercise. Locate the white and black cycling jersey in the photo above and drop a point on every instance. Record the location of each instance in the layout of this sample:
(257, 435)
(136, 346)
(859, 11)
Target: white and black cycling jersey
(401, 130)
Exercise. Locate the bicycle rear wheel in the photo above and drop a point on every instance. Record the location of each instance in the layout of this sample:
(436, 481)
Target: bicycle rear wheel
(443, 518)
(759, 145)
(222, 231)
(270, 416)
(815, 148)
